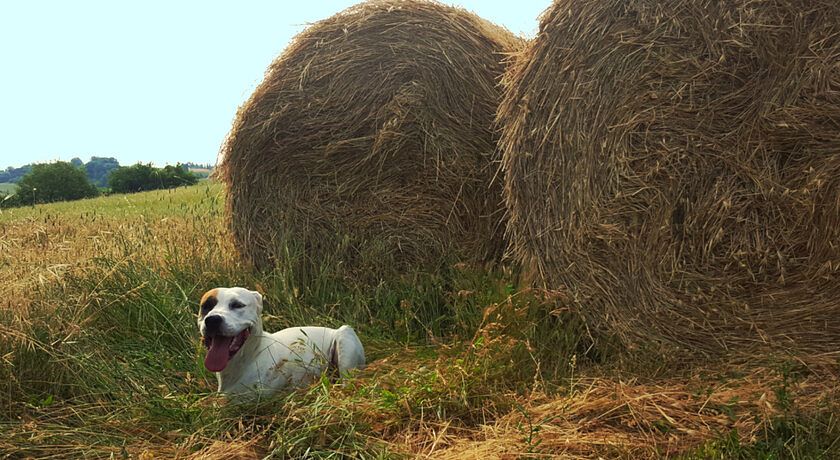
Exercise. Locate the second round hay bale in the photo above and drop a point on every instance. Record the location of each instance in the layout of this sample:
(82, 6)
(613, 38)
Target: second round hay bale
(370, 143)
(674, 167)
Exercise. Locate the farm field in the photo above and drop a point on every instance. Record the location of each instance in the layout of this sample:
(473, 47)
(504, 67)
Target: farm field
(6, 188)
(201, 172)
(100, 357)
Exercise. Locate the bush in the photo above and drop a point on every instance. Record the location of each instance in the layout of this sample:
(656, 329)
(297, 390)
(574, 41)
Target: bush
(9, 200)
(60, 181)
(142, 177)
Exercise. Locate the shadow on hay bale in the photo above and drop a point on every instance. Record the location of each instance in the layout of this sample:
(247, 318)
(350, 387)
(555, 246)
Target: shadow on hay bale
(370, 143)
(673, 167)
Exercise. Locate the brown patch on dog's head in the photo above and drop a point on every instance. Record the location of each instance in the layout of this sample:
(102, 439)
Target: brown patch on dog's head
(208, 301)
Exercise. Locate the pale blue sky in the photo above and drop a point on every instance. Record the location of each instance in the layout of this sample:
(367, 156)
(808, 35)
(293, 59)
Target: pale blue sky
(152, 81)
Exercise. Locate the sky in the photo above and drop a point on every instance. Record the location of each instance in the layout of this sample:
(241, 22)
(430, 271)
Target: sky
(153, 81)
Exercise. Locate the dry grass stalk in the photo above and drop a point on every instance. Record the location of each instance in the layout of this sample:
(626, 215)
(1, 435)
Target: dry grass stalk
(373, 129)
(41, 246)
(674, 166)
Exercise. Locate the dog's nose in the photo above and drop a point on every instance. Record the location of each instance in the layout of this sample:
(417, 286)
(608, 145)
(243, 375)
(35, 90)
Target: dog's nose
(213, 323)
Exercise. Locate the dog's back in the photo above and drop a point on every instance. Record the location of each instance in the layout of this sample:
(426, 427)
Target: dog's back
(310, 350)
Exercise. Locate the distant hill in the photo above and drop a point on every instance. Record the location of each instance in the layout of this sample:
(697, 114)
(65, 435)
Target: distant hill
(11, 174)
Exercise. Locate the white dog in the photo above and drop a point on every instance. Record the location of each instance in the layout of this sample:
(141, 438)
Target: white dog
(246, 359)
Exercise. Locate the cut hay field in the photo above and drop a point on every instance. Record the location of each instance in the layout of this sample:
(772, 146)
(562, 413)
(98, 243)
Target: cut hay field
(100, 358)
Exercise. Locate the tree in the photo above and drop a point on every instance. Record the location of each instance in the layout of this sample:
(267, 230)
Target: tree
(130, 179)
(191, 165)
(99, 168)
(142, 177)
(77, 162)
(177, 176)
(59, 181)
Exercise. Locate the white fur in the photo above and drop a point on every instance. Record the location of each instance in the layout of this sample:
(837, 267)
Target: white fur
(269, 362)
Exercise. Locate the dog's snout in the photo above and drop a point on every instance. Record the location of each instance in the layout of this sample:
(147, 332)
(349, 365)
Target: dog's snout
(213, 323)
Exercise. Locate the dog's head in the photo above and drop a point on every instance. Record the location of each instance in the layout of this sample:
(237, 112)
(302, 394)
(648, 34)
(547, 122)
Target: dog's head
(226, 318)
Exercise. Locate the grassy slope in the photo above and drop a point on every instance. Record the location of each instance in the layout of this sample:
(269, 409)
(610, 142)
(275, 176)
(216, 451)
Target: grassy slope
(99, 356)
(7, 188)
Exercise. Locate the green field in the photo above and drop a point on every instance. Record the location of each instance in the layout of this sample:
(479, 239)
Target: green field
(7, 188)
(100, 357)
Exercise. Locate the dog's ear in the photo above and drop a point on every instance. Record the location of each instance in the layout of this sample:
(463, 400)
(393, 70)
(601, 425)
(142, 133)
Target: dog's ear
(258, 296)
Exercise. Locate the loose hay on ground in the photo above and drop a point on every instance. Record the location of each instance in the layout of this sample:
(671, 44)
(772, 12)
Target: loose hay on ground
(674, 167)
(371, 141)
(607, 418)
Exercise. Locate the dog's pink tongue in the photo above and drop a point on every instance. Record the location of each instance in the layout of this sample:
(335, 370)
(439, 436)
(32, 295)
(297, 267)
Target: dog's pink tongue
(218, 354)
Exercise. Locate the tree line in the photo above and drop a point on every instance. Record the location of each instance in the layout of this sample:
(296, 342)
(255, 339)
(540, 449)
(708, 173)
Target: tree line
(65, 181)
(97, 170)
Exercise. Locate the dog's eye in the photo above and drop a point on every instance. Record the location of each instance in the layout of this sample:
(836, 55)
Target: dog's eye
(208, 305)
(236, 305)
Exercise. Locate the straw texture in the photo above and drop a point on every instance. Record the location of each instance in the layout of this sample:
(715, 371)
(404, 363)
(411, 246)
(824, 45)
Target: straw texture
(370, 143)
(673, 167)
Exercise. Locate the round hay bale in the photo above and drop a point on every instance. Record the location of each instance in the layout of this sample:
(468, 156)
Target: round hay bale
(371, 143)
(672, 167)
